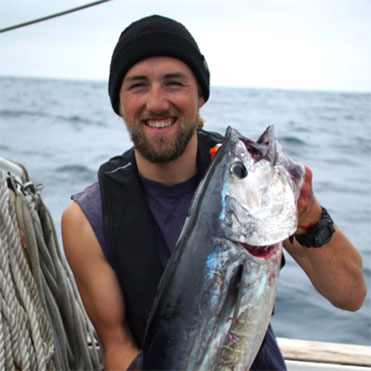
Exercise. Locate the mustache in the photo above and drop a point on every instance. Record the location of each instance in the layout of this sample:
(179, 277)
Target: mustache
(148, 115)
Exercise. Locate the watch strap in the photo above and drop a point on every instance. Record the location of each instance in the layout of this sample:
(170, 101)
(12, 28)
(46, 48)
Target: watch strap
(320, 234)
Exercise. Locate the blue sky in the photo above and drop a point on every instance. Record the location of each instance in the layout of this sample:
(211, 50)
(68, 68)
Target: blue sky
(295, 44)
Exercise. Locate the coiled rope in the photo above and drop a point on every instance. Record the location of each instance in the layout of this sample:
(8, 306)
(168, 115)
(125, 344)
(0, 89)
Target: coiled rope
(43, 324)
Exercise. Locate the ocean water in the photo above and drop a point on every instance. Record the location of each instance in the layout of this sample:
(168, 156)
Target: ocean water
(63, 130)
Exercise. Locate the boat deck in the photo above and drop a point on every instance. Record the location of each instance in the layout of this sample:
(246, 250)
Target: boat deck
(305, 355)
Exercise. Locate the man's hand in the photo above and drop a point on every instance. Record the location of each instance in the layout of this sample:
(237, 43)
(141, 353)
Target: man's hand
(309, 210)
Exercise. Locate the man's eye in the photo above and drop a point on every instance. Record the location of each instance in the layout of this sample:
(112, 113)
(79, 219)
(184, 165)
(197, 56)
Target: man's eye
(137, 85)
(174, 83)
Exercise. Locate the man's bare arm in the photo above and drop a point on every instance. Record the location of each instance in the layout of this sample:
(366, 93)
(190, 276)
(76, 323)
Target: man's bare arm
(98, 287)
(335, 269)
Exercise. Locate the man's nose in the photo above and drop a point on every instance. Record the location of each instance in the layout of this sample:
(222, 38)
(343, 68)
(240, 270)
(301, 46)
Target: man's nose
(157, 100)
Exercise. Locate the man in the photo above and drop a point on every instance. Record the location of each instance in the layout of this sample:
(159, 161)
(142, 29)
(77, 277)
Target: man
(119, 233)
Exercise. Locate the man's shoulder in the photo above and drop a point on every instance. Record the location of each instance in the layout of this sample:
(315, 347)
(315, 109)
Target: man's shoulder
(117, 162)
(90, 193)
(211, 137)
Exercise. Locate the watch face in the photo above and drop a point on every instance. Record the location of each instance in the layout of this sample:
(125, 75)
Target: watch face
(323, 235)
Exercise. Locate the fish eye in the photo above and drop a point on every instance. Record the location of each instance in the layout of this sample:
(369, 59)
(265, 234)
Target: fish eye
(239, 170)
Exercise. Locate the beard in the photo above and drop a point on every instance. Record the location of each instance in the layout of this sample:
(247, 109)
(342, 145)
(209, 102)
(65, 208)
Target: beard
(162, 149)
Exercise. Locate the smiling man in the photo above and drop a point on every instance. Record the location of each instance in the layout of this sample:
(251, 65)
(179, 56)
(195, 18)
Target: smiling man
(119, 233)
(159, 102)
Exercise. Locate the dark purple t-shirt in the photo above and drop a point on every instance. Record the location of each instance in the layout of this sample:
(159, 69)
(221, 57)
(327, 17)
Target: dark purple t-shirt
(168, 204)
(90, 202)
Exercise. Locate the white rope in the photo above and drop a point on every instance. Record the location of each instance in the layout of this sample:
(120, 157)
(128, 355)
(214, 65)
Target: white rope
(43, 324)
(2, 351)
(20, 306)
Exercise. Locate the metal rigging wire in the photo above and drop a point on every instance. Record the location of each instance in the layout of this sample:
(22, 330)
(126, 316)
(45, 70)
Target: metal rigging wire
(52, 16)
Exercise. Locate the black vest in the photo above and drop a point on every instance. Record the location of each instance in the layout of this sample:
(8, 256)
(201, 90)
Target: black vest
(128, 227)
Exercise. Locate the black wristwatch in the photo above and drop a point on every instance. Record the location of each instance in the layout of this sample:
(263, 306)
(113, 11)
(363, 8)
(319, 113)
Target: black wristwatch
(320, 234)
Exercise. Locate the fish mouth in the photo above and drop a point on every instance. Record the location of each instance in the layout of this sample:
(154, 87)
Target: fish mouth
(258, 251)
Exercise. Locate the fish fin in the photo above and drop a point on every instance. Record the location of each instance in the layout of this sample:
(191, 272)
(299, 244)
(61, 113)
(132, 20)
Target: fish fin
(244, 273)
(267, 136)
(265, 146)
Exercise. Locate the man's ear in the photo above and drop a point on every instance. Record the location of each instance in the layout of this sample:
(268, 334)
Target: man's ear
(201, 101)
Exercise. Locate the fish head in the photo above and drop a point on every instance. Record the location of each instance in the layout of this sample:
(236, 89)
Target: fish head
(261, 185)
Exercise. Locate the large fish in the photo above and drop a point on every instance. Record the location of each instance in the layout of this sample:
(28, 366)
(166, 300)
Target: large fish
(216, 296)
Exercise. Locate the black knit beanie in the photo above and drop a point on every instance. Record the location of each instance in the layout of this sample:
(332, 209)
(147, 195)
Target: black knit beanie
(155, 36)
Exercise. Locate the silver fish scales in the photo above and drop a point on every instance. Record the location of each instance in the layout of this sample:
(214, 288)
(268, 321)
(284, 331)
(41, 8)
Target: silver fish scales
(216, 296)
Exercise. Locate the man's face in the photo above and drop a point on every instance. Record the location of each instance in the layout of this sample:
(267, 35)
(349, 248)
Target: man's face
(159, 102)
